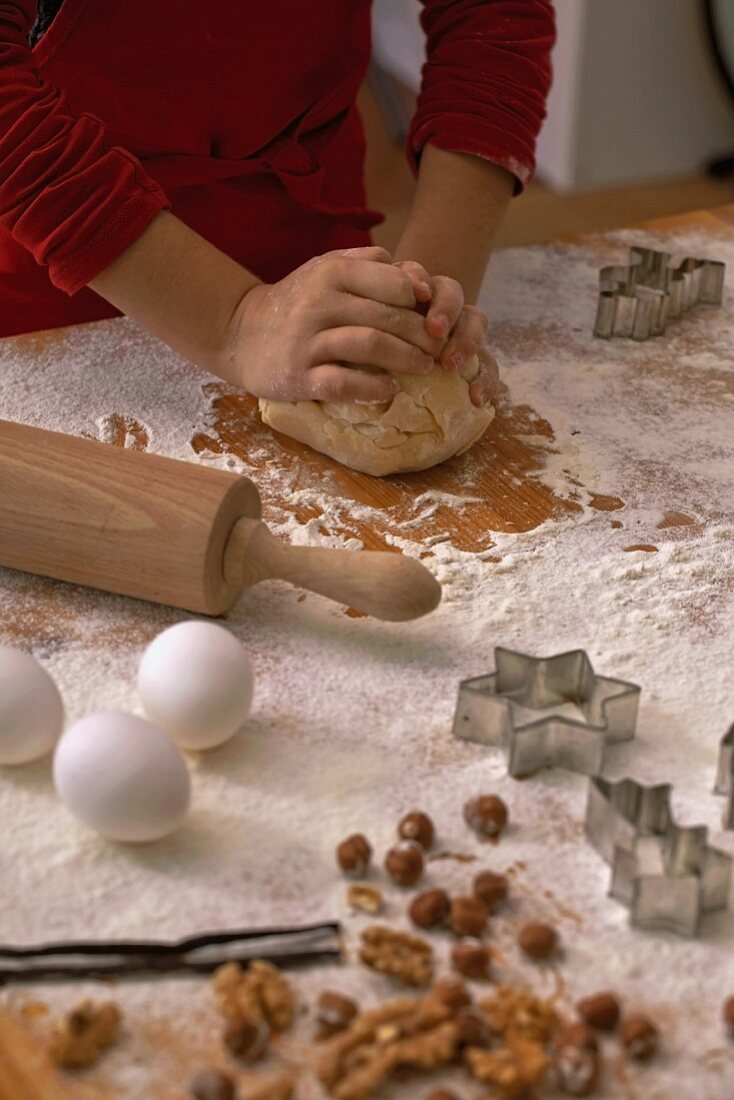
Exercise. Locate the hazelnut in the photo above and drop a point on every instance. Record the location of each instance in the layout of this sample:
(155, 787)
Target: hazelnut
(211, 1084)
(452, 993)
(468, 916)
(417, 826)
(728, 1014)
(576, 1035)
(576, 1060)
(430, 910)
(602, 1011)
(334, 1013)
(474, 1029)
(639, 1037)
(472, 959)
(490, 888)
(487, 815)
(538, 941)
(404, 863)
(353, 855)
(247, 1038)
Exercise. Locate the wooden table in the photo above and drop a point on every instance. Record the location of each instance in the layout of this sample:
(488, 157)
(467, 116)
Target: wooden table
(510, 499)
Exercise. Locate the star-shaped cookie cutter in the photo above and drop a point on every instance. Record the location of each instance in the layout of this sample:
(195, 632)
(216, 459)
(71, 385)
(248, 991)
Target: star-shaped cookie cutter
(725, 776)
(493, 710)
(640, 299)
(668, 875)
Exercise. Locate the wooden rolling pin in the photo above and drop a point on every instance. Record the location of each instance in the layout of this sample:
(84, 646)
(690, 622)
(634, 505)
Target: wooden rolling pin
(172, 532)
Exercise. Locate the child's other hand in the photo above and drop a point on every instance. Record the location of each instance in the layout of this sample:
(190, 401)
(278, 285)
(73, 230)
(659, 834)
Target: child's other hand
(461, 328)
(306, 336)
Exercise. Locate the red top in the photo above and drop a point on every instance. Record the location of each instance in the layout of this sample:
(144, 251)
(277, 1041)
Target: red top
(239, 117)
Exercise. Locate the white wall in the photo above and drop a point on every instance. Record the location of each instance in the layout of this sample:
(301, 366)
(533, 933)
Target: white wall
(557, 144)
(635, 96)
(650, 103)
(398, 39)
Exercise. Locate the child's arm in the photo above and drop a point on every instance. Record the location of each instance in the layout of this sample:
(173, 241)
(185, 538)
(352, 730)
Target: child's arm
(459, 205)
(482, 102)
(289, 340)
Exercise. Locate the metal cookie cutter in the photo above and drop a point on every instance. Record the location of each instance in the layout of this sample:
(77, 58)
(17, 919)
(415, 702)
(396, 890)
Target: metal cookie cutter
(640, 299)
(725, 776)
(667, 875)
(547, 711)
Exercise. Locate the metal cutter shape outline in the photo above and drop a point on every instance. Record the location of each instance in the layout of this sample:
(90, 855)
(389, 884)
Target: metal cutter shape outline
(725, 776)
(668, 875)
(485, 711)
(640, 299)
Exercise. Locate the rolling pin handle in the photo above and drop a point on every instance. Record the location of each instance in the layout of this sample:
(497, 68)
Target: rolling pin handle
(386, 585)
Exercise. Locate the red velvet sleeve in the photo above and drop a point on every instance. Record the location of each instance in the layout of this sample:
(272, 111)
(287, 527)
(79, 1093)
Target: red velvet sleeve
(485, 80)
(74, 201)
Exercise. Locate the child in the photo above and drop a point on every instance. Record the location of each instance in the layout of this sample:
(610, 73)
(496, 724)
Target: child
(197, 165)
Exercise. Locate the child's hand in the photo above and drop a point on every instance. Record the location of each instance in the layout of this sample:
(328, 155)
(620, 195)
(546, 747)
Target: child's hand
(306, 336)
(461, 328)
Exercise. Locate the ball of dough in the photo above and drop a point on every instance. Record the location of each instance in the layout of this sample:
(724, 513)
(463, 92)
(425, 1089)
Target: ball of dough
(31, 710)
(195, 682)
(430, 419)
(122, 776)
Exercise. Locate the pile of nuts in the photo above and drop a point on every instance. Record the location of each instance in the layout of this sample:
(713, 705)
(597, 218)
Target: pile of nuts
(465, 916)
(511, 1040)
(256, 1003)
(504, 1048)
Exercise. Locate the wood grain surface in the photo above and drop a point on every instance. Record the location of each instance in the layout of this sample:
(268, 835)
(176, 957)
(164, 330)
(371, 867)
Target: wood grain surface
(508, 499)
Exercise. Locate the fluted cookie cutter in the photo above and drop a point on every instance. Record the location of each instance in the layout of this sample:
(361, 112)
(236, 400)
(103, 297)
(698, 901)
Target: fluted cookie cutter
(547, 712)
(639, 299)
(725, 776)
(668, 875)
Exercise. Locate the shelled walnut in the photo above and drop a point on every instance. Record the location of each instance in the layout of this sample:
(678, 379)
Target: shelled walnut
(260, 992)
(366, 898)
(419, 1034)
(82, 1035)
(406, 958)
(513, 1070)
(516, 1012)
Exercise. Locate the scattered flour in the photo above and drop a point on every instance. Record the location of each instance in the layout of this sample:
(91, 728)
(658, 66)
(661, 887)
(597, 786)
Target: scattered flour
(351, 723)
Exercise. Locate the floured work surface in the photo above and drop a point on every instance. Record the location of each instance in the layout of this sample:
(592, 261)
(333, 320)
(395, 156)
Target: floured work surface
(595, 513)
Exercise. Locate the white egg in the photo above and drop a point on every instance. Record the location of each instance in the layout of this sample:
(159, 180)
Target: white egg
(122, 776)
(195, 682)
(31, 710)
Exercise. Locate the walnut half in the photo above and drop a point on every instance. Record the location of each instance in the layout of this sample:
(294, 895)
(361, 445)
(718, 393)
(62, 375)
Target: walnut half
(259, 993)
(406, 958)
